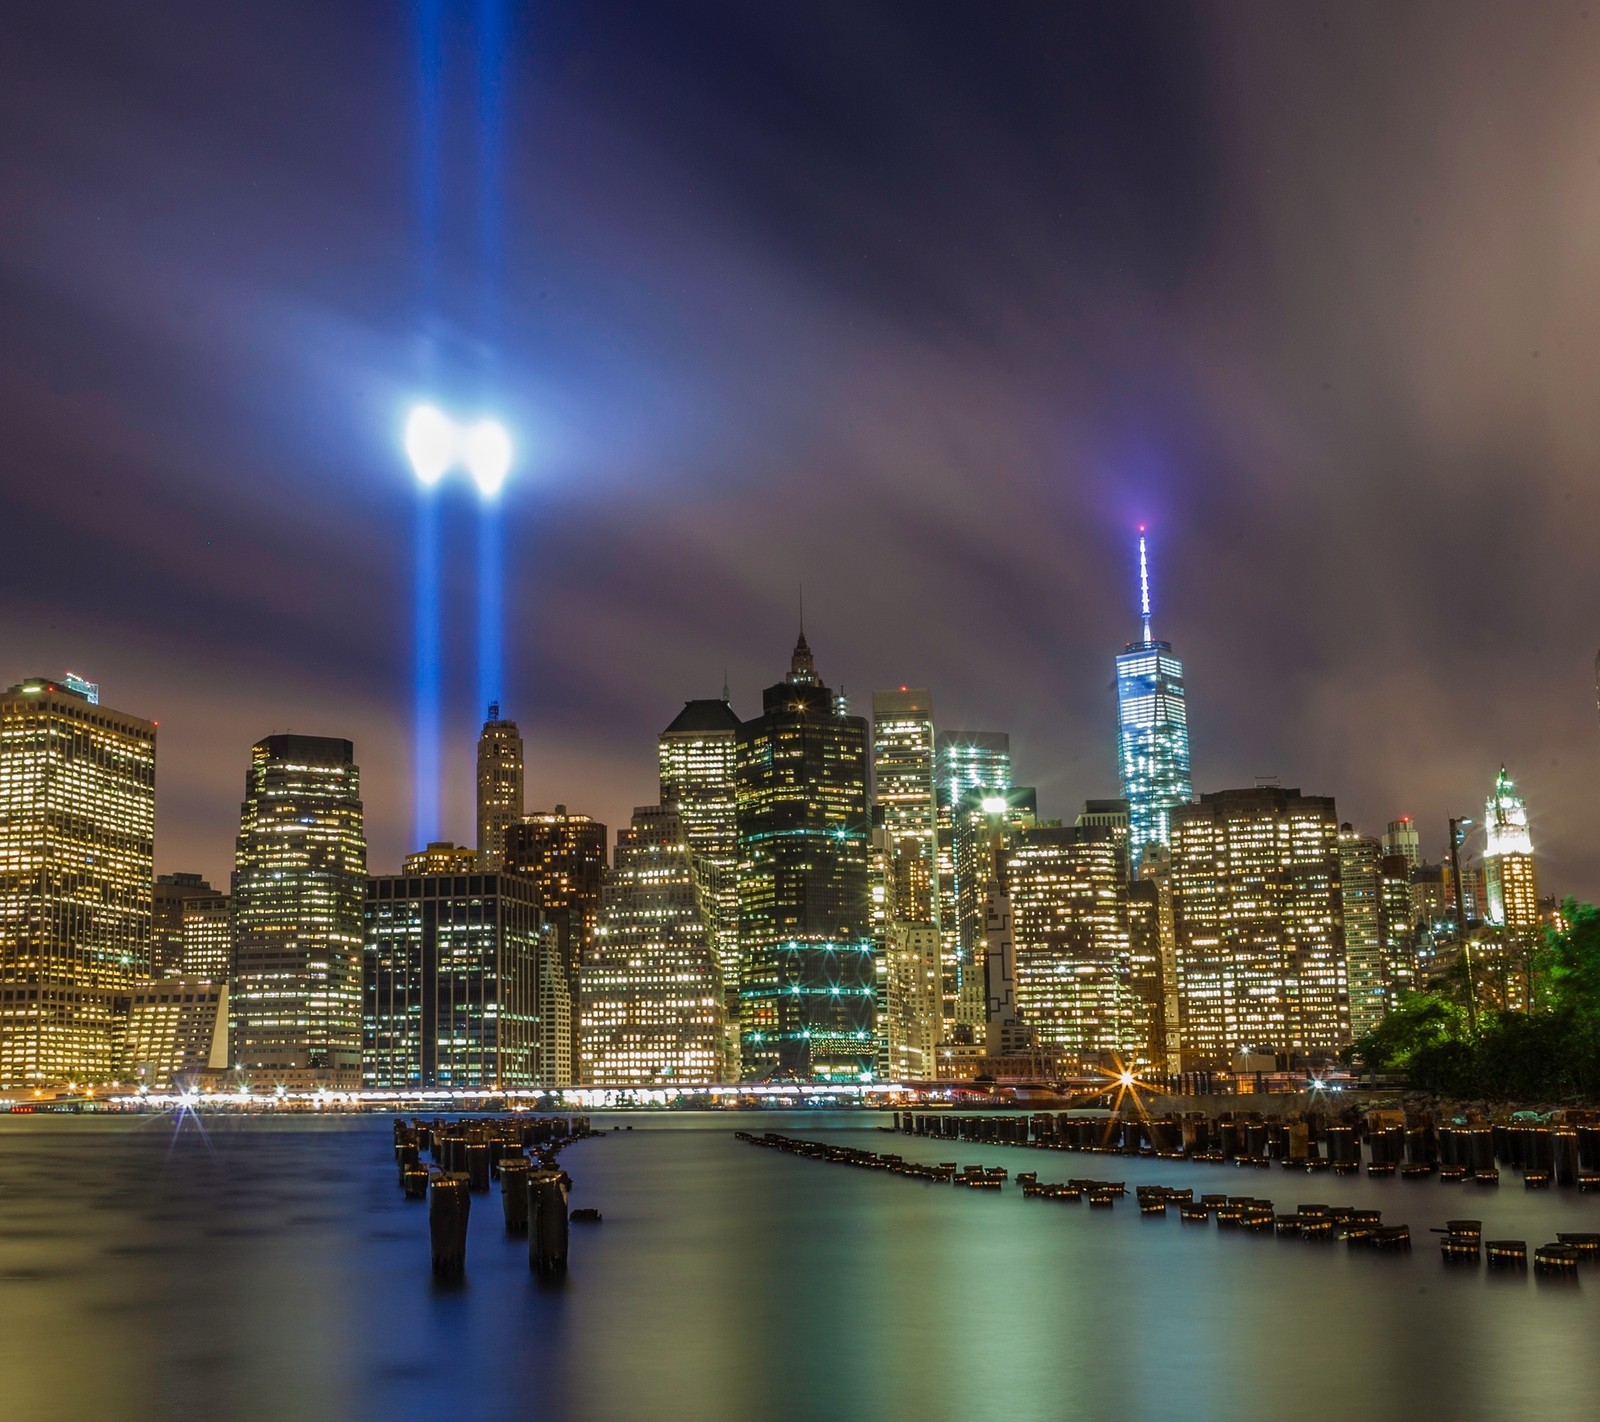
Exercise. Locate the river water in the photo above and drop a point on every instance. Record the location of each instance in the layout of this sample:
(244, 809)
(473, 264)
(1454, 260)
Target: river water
(269, 1268)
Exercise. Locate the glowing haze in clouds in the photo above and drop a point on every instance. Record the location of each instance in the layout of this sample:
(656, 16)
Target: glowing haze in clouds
(926, 307)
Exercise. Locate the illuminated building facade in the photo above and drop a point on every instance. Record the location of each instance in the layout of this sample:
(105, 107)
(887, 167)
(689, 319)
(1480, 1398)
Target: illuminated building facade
(966, 760)
(652, 1008)
(1512, 891)
(1365, 949)
(807, 990)
(698, 753)
(1152, 732)
(1397, 924)
(983, 821)
(565, 855)
(170, 893)
(1401, 837)
(207, 938)
(1259, 927)
(499, 786)
(1070, 926)
(299, 877)
(441, 857)
(452, 986)
(903, 789)
(77, 826)
(173, 1030)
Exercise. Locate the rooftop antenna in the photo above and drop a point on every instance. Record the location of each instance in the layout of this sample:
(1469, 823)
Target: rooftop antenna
(1144, 587)
(727, 696)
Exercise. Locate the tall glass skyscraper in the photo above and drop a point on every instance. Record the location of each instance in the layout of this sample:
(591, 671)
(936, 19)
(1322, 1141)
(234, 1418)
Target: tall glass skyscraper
(1152, 731)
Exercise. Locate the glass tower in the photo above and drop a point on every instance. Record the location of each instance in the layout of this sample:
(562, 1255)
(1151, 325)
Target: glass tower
(1152, 732)
(807, 993)
(499, 786)
(299, 881)
(1508, 859)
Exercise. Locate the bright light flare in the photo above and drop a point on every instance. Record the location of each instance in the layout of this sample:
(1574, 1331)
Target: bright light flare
(486, 448)
(430, 444)
(993, 804)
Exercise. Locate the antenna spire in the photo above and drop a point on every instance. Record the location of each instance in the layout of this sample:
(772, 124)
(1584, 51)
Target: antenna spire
(1144, 586)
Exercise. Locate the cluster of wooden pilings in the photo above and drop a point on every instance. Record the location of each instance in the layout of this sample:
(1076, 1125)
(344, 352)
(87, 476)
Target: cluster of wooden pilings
(521, 1153)
(1567, 1156)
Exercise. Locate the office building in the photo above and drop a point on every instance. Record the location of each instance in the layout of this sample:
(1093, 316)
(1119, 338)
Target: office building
(1152, 731)
(982, 823)
(1512, 890)
(454, 982)
(168, 896)
(807, 989)
(1365, 948)
(77, 825)
(697, 754)
(903, 773)
(1401, 837)
(499, 787)
(174, 1031)
(207, 954)
(299, 879)
(1111, 816)
(1259, 927)
(966, 760)
(1070, 925)
(653, 1009)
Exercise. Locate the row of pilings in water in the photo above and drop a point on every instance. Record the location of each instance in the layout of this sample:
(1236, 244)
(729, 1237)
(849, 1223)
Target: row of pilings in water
(467, 1156)
(1567, 1156)
(1461, 1241)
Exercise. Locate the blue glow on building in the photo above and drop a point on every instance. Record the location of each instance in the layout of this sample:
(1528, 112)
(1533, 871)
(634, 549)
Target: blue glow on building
(1152, 731)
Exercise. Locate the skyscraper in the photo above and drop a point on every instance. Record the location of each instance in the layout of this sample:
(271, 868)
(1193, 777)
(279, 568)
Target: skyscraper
(966, 760)
(451, 989)
(207, 938)
(1152, 731)
(565, 855)
(1361, 902)
(652, 1003)
(698, 753)
(1069, 917)
(299, 880)
(807, 988)
(1259, 927)
(77, 826)
(983, 824)
(1401, 837)
(499, 786)
(1513, 895)
(903, 788)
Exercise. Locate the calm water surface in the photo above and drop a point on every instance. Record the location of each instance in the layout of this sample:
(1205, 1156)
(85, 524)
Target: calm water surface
(270, 1269)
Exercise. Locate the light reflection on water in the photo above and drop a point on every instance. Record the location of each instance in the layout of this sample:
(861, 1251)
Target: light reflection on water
(269, 1268)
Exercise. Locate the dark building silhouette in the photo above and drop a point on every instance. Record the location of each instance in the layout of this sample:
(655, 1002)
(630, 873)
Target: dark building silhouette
(807, 994)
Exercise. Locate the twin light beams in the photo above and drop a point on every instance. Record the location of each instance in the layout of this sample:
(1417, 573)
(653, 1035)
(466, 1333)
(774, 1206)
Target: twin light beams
(435, 444)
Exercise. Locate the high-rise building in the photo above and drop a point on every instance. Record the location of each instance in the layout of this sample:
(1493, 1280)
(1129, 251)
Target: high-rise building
(207, 954)
(1152, 731)
(903, 773)
(983, 822)
(499, 786)
(77, 827)
(1259, 927)
(1513, 895)
(1361, 902)
(698, 753)
(1070, 923)
(299, 879)
(807, 987)
(1401, 837)
(170, 893)
(653, 1010)
(1397, 924)
(1111, 816)
(565, 855)
(966, 760)
(452, 986)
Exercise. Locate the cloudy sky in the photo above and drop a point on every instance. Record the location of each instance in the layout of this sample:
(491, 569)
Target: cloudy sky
(922, 306)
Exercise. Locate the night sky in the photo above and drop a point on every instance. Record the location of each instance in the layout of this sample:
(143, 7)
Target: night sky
(924, 307)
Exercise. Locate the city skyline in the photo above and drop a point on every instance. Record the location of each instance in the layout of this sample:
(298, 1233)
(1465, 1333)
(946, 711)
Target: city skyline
(692, 410)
